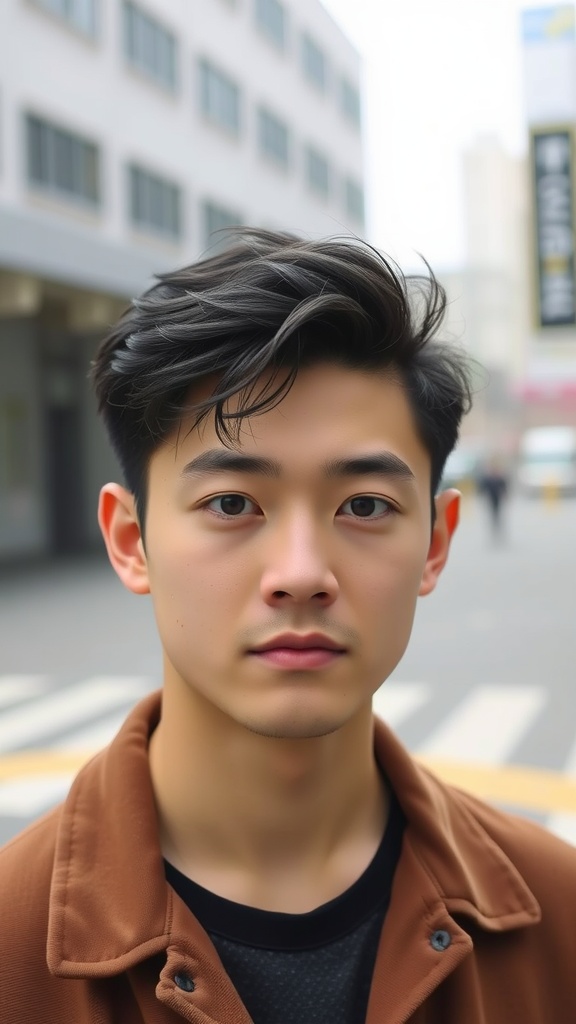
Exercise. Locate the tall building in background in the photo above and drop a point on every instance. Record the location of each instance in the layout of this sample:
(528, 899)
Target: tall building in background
(491, 294)
(514, 301)
(548, 388)
(131, 131)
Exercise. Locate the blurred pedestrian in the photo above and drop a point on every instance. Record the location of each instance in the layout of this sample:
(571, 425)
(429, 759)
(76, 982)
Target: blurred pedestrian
(254, 845)
(493, 486)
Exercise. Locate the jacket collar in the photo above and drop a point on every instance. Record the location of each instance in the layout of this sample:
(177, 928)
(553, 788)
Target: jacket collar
(110, 906)
(464, 864)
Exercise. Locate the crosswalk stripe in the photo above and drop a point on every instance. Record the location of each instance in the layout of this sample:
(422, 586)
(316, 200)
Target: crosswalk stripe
(65, 708)
(563, 826)
(28, 797)
(93, 737)
(13, 688)
(487, 725)
(395, 701)
(482, 729)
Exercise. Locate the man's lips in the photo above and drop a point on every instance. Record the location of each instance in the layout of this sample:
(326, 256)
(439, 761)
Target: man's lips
(291, 651)
(296, 642)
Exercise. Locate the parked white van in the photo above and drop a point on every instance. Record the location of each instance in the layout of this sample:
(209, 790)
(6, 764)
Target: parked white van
(547, 460)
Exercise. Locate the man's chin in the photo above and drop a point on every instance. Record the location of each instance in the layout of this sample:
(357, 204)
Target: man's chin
(295, 729)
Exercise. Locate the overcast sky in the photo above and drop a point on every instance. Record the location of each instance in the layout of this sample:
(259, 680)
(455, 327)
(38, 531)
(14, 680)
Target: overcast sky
(437, 74)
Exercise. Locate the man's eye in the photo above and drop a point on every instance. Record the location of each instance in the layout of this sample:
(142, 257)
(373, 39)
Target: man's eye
(232, 505)
(366, 507)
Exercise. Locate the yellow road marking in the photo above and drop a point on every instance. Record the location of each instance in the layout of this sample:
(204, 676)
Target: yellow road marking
(40, 762)
(534, 789)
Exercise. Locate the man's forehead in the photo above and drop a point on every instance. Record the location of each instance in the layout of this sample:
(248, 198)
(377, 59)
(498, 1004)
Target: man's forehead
(316, 373)
(330, 413)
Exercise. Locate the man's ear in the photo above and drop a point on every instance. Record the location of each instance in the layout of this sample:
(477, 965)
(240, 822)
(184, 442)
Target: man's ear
(123, 537)
(447, 517)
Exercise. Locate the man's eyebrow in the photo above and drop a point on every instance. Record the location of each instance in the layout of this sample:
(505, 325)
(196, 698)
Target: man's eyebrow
(376, 464)
(221, 460)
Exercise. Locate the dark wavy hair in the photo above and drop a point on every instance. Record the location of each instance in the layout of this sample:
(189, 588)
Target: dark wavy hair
(271, 304)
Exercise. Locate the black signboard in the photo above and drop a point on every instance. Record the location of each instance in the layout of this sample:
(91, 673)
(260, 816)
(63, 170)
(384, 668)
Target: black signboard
(552, 169)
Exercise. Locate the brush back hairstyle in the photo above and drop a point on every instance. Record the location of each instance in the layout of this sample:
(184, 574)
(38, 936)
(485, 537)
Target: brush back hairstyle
(264, 308)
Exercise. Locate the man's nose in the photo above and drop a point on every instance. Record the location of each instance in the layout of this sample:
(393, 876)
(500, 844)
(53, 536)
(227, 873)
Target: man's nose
(297, 564)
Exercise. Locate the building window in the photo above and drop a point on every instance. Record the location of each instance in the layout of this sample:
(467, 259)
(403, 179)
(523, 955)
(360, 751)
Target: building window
(314, 62)
(354, 199)
(216, 219)
(62, 162)
(274, 137)
(317, 171)
(149, 47)
(272, 19)
(350, 101)
(155, 203)
(219, 98)
(80, 14)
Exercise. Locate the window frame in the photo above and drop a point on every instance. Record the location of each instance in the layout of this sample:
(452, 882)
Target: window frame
(230, 219)
(352, 111)
(213, 85)
(63, 10)
(353, 187)
(142, 30)
(265, 11)
(146, 181)
(50, 139)
(267, 118)
(314, 158)
(309, 51)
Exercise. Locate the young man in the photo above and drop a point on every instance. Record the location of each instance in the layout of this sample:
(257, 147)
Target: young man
(254, 846)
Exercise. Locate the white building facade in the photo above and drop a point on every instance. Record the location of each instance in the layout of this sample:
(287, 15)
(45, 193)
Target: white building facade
(130, 130)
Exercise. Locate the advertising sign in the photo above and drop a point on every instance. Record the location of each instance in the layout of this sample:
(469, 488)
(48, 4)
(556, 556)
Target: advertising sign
(552, 159)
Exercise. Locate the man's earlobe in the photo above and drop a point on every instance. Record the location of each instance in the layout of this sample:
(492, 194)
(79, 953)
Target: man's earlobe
(123, 537)
(447, 517)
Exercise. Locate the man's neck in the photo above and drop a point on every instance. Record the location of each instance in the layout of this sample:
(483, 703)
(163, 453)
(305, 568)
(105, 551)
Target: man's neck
(279, 824)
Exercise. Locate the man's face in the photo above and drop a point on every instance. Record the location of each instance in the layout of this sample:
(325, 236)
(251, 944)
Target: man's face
(312, 539)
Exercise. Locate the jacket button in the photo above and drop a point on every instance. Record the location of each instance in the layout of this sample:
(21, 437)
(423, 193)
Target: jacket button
(440, 940)
(184, 981)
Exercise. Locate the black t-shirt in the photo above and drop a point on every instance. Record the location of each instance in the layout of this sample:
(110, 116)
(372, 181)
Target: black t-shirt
(313, 968)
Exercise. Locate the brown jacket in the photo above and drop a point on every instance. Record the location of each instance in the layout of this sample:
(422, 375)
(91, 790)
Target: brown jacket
(481, 927)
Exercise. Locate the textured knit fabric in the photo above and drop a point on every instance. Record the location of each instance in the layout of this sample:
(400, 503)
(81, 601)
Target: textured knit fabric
(315, 967)
(479, 929)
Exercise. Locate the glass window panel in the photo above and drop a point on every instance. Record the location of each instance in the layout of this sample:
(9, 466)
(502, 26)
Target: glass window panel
(216, 219)
(354, 199)
(149, 46)
(274, 137)
(37, 152)
(271, 18)
(313, 62)
(61, 161)
(64, 162)
(90, 171)
(350, 101)
(81, 14)
(154, 202)
(318, 171)
(219, 97)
